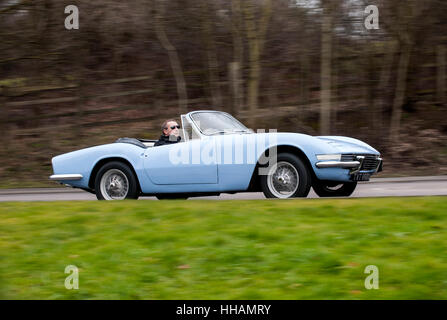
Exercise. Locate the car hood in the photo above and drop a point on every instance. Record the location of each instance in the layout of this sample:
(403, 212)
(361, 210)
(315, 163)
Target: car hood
(347, 145)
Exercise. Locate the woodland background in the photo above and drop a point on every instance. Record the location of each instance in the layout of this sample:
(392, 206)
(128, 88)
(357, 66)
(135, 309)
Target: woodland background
(296, 66)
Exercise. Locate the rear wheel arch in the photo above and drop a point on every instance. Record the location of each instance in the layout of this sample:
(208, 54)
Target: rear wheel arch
(102, 162)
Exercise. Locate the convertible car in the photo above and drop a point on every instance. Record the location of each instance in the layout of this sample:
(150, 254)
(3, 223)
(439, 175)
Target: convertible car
(217, 154)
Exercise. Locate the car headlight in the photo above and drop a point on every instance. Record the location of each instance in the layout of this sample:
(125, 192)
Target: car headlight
(329, 157)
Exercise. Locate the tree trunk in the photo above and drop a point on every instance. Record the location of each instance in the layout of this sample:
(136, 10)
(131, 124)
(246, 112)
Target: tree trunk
(399, 97)
(334, 77)
(173, 58)
(211, 56)
(305, 77)
(255, 44)
(236, 67)
(440, 83)
(325, 90)
(4, 127)
(381, 95)
(80, 108)
(253, 60)
(235, 86)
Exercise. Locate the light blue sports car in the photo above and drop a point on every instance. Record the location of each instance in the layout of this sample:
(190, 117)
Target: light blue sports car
(217, 154)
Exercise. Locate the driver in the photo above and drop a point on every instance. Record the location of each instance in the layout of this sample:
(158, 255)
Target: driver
(170, 133)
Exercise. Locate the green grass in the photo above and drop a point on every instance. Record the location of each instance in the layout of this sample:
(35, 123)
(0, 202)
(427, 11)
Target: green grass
(293, 249)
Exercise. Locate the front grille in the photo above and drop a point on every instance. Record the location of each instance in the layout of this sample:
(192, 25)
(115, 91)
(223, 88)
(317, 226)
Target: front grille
(370, 162)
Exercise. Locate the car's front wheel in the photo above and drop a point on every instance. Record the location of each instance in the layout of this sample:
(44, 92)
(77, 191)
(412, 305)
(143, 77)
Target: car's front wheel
(116, 181)
(288, 178)
(333, 189)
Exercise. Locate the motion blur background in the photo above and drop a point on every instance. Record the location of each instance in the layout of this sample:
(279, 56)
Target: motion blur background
(297, 66)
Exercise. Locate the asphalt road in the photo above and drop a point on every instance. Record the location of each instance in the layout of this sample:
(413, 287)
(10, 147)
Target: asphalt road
(378, 187)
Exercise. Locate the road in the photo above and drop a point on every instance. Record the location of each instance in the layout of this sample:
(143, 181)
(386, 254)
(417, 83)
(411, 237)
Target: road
(378, 187)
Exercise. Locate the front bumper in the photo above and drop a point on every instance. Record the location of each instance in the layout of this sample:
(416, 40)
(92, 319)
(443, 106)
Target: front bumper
(355, 166)
(338, 164)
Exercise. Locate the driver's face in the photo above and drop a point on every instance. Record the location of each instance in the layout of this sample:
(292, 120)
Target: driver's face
(172, 128)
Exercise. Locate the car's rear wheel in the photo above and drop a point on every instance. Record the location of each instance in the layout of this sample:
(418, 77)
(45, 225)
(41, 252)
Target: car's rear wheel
(116, 181)
(333, 189)
(288, 178)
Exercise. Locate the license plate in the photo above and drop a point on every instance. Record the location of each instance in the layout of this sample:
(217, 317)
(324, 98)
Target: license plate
(361, 177)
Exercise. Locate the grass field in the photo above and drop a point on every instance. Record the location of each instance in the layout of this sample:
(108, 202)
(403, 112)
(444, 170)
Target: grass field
(292, 249)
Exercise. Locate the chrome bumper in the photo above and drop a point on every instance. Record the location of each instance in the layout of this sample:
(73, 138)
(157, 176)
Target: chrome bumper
(66, 177)
(355, 166)
(338, 164)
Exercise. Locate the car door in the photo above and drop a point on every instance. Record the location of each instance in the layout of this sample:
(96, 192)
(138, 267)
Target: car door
(189, 162)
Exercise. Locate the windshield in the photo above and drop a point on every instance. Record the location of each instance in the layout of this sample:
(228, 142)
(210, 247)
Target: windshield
(217, 123)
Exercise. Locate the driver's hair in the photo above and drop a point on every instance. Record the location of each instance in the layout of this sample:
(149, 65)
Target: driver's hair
(163, 126)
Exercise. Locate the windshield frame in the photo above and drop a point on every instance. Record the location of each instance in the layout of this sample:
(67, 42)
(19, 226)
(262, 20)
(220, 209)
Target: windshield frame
(223, 132)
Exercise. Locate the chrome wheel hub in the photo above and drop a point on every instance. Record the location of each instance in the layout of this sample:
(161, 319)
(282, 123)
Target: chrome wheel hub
(283, 180)
(114, 185)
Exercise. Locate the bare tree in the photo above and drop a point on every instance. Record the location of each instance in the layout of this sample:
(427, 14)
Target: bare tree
(440, 80)
(235, 67)
(211, 53)
(407, 18)
(326, 65)
(256, 32)
(173, 56)
(388, 51)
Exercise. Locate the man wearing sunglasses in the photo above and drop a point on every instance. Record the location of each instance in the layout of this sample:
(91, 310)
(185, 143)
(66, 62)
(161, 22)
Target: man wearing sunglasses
(170, 133)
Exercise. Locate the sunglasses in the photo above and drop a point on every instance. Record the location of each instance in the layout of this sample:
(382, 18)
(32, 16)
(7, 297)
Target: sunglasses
(173, 127)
